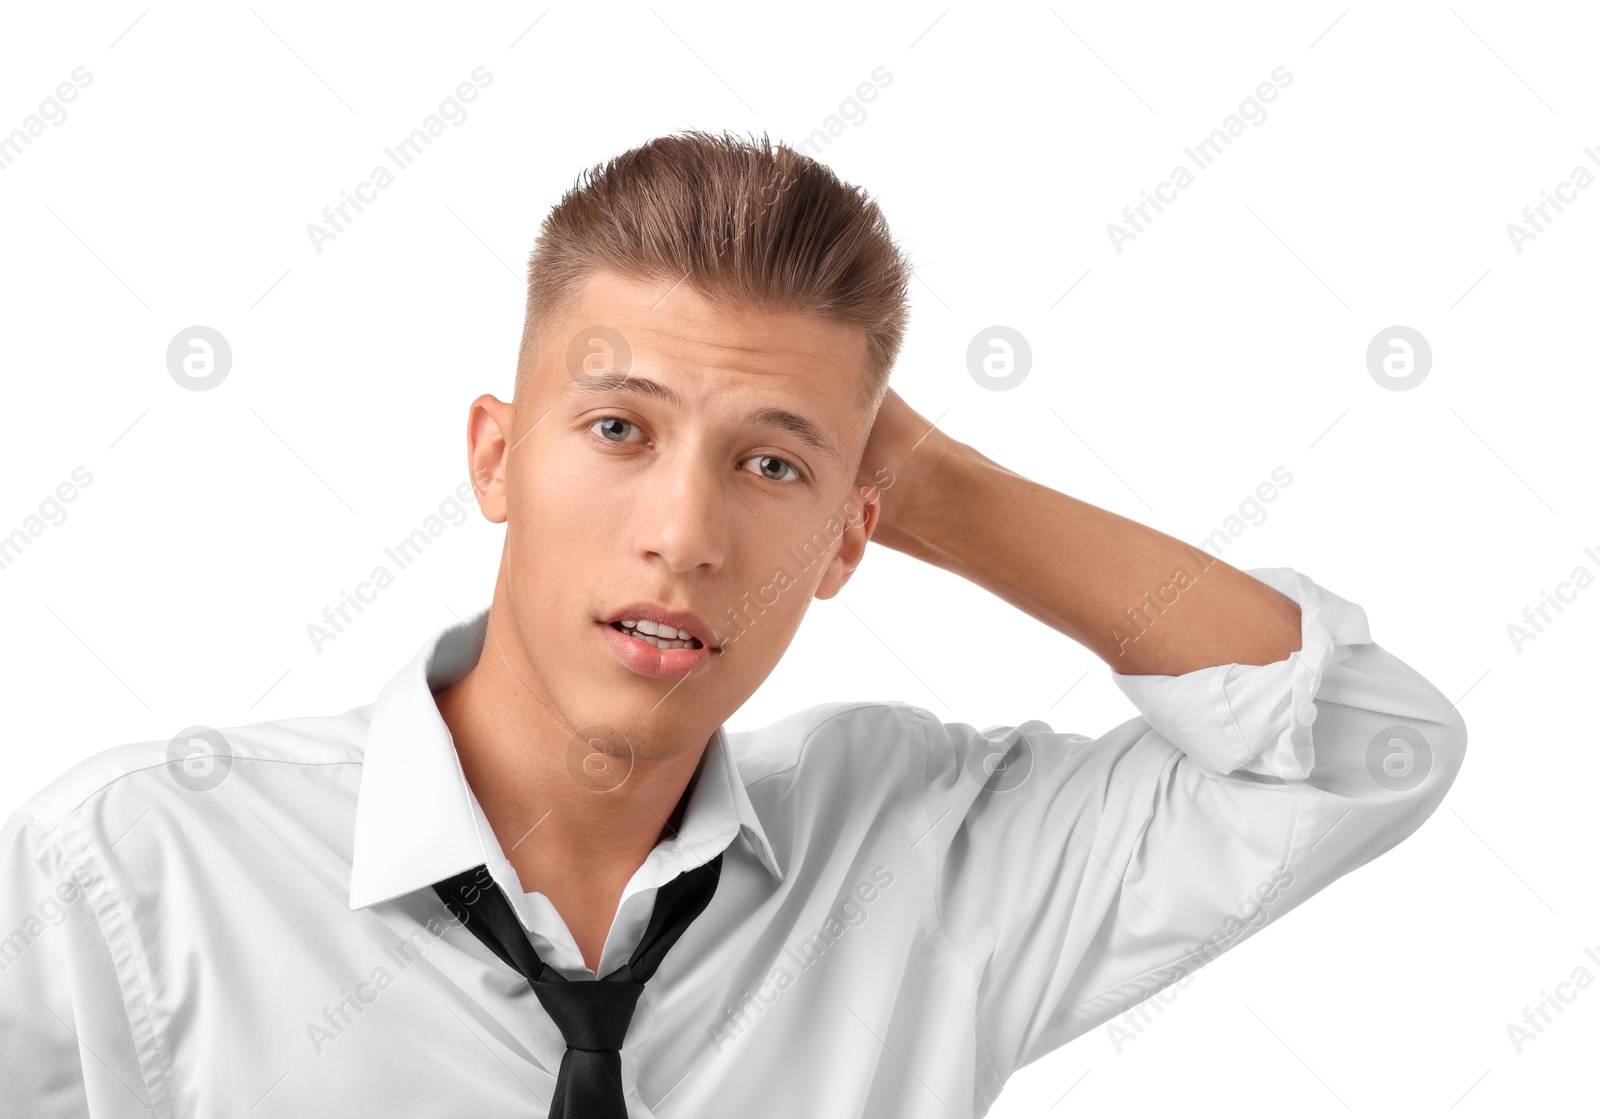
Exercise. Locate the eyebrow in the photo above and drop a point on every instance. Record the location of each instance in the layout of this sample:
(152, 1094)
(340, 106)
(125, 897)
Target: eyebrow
(783, 419)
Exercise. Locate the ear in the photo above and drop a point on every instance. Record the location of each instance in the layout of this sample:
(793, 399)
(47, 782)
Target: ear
(860, 518)
(490, 428)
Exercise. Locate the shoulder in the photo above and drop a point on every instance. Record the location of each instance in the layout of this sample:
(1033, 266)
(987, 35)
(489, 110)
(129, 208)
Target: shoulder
(864, 755)
(198, 759)
(831, 736)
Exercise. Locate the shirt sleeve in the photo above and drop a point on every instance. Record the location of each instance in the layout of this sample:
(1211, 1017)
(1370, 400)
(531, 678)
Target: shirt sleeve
(1076, 877)
(65, 1044)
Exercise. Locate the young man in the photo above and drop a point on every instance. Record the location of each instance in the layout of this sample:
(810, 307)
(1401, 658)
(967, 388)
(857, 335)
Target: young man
(537, 875)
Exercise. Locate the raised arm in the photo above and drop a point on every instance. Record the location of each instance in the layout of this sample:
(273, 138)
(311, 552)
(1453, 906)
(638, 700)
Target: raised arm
(1277, 747)
(1142, 601)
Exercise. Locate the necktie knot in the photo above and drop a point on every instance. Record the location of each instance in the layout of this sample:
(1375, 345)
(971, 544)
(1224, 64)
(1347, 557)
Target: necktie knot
(591, 1014)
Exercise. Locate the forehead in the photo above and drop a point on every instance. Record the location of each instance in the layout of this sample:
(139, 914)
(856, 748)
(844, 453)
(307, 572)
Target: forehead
(674, 329)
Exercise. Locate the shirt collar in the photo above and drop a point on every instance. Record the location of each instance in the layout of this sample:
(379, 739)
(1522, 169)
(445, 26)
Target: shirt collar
(418, 823)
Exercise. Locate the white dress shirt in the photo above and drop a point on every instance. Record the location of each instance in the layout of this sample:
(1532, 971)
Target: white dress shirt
(901, 922)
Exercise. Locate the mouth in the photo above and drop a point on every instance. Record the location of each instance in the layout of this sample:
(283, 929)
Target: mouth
(663, 628)
(672, 652)
(631, 629)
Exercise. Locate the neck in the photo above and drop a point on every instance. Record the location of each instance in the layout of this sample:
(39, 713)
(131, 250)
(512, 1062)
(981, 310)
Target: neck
(567, 817)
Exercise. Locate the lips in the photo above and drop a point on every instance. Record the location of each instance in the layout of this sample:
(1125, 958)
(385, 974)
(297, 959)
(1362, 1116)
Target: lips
(684, 620)
(640, 656)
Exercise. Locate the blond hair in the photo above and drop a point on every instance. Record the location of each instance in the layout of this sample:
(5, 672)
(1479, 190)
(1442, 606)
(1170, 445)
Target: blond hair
(747, 224)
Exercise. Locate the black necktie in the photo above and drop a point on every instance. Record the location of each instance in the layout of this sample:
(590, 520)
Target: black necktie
(592, 1015)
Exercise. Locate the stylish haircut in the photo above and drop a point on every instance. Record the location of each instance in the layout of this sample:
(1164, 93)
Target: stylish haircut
(747, 224)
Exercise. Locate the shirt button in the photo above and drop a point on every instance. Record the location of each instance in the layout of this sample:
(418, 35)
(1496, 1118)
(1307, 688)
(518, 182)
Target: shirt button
(1307, 713)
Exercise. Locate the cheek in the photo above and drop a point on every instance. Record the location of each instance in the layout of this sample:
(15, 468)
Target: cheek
(556, 497)
(554, 541)
(765, 620)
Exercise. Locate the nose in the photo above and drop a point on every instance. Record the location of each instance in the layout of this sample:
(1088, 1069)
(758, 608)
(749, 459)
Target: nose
(683, 510)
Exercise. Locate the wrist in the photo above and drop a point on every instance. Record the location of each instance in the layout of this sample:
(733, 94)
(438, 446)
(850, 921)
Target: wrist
(930, 481)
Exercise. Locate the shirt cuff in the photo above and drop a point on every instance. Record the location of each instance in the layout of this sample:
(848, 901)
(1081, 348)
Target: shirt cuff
(1255, 717)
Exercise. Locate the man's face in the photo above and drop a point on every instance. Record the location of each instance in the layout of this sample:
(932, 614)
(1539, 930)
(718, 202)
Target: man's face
(687, 498)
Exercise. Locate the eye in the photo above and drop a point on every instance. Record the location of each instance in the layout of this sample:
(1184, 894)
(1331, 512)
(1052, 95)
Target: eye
(783, 464)
(612, 420)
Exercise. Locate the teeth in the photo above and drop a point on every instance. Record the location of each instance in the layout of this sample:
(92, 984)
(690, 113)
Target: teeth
(657, 629)
(661, 636)
(660, 644)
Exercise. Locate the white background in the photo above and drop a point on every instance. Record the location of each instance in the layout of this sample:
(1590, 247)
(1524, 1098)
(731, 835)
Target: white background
(1228, 339)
